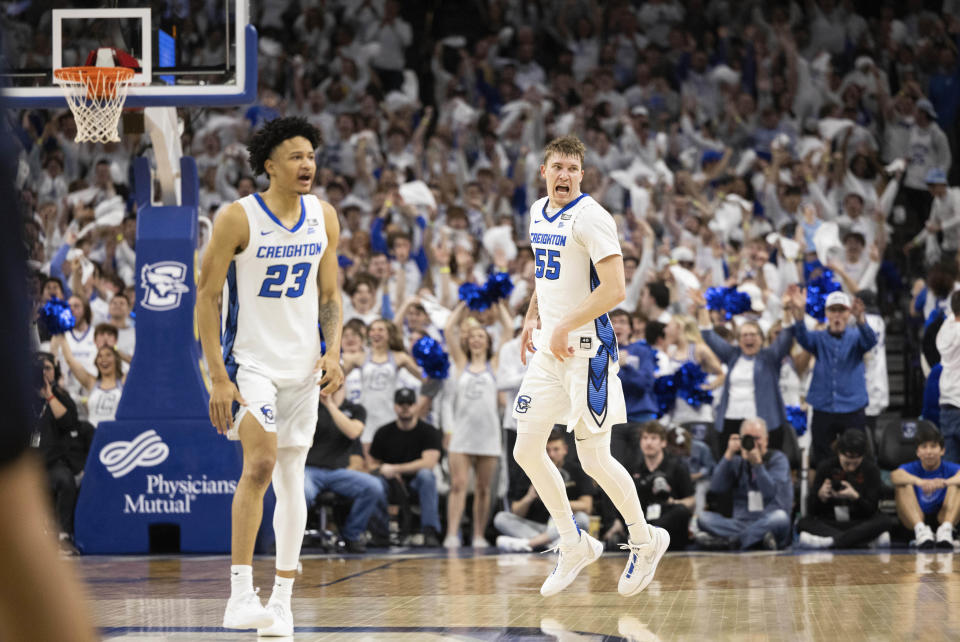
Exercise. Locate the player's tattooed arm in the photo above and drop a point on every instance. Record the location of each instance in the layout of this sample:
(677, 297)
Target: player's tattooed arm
(533, 310)
(330, 309)
(330, 321)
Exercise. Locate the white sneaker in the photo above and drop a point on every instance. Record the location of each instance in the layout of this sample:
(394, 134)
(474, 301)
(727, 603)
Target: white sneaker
(924, 537)
(571, 562)
(945, 536)
(513, 544)
(882, 540)
(451, 541)
(282, 621)
(480, 542)
(809, 540)
(642, 561)
(246, 612)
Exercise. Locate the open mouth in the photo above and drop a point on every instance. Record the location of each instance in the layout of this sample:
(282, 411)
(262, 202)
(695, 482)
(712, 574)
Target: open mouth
(305, 177)
(562, 190)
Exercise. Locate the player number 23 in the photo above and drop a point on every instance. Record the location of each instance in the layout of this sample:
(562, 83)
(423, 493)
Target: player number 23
(548, 264)
(277, 276)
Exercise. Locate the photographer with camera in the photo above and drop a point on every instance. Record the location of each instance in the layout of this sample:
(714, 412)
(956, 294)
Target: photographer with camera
(844, 507)
(760, 482)
(663, 485)
(61, 442)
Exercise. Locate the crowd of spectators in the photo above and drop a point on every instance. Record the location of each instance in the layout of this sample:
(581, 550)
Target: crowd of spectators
(759, 146)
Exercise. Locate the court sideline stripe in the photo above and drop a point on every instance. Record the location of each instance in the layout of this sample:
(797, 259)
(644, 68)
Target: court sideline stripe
(461, 630)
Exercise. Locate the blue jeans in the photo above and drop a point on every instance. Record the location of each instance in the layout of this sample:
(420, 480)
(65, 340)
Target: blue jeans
(365, 490)
(425, 485)
(749, 531)
(950, 429)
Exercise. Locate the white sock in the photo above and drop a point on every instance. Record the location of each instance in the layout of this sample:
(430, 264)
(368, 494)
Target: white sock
(241, 579)
(282, 590)
(639, 533)
(531, 453)
(945, 530)
(616, 482)
(918, 529)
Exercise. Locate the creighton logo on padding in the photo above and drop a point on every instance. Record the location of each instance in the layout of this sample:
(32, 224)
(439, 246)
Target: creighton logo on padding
(523, 403)
(147, 449)
(163, 283)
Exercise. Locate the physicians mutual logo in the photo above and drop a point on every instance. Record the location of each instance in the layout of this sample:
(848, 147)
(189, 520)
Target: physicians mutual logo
(146, 450)
(523, 404)
(161, 494)
(164, 283)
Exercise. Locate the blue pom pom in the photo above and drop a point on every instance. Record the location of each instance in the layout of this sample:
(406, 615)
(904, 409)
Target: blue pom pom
(344, 261)
(665, 390)
(498, 286)
(714, 298)
(430, 356)
(56, 316)
(731, 301)
(797, 417)
(688, 380)
(474, 296)
(737, 302)
(817, 291)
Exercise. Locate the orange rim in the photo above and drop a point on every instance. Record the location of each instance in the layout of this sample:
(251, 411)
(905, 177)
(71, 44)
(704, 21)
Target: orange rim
(101, 81)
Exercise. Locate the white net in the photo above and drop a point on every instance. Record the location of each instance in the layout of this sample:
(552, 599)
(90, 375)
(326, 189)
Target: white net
(96, 96)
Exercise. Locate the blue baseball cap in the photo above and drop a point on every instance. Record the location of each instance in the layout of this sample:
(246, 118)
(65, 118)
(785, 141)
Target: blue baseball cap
(935, 176)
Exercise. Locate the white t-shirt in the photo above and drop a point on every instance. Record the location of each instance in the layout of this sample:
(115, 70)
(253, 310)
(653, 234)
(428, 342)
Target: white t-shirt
(742, 403)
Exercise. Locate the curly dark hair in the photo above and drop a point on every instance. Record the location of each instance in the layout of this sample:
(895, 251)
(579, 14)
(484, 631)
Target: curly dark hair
(273, 134)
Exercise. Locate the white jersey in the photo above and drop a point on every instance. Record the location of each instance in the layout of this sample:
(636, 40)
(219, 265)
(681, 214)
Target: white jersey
(379, 382)
(84, 350)
(567, 243)
(270, 300)
(476, 429)
(102, 404)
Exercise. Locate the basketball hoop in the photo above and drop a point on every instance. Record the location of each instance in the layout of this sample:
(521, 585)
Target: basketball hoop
(95, 96)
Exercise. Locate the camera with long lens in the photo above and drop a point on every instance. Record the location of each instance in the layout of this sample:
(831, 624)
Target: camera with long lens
(748, 442)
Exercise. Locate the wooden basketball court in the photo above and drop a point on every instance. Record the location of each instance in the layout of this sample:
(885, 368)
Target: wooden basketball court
(431, 596)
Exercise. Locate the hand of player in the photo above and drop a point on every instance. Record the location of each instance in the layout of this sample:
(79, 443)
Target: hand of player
(558, 344)
(222, 396)
(332, 377)
(526, 340)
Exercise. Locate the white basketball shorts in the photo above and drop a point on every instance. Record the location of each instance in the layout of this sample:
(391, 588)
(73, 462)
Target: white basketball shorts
(286, 408)
(577, 392)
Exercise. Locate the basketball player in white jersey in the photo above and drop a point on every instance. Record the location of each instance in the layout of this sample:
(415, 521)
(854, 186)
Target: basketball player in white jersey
(277, 253)
(572, 378)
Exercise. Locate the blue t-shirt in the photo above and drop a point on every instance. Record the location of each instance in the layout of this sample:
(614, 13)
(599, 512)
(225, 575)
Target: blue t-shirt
(931, 502)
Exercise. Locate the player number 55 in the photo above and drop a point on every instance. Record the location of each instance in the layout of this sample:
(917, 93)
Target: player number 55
(549, 268)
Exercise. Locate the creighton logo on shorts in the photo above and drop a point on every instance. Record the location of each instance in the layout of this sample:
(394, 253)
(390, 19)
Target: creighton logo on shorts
(523, 403)
(267, 412)
(164, 283)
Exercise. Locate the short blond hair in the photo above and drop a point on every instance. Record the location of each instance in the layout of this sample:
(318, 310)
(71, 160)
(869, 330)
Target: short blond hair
(565, 146)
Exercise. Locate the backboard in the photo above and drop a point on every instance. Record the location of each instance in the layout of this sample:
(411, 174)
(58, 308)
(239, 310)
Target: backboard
(187, 57)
